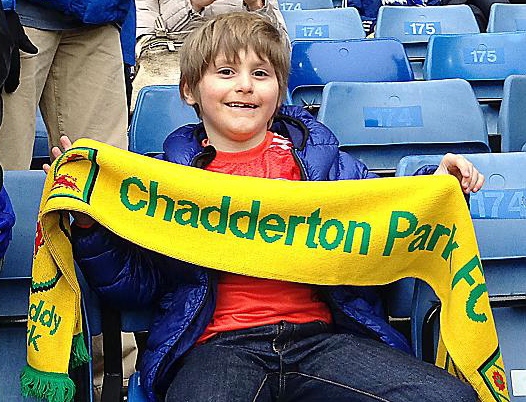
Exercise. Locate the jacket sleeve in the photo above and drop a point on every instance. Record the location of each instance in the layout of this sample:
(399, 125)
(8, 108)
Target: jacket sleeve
(147, 13)
(120, 272)
(350, 168)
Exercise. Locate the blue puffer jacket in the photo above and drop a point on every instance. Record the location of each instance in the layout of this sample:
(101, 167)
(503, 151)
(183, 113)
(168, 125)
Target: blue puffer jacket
(91, 11)
(184, 294)
(7, 221)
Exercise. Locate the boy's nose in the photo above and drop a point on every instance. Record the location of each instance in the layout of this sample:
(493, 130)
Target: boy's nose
(244, 83)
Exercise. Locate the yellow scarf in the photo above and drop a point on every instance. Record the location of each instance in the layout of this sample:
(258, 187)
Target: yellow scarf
(362, 232)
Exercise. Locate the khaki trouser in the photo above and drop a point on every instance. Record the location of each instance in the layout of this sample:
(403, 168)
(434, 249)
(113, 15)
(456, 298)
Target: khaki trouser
(129, 356)
(77, 79)
(156, 67)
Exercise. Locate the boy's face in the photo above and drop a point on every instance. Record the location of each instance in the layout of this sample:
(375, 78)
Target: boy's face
(236, 101)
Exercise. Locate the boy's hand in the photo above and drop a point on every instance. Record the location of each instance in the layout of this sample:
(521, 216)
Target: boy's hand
(81, 219)
(470, 179)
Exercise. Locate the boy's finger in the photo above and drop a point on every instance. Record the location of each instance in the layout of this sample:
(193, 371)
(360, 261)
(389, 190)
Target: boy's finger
(470, 183)
(476, 181)
(464, 166)
(480, 182)
(56, 152)
(65, 142)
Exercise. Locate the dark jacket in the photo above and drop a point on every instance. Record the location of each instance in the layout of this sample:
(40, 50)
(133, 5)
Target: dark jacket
(184, 294)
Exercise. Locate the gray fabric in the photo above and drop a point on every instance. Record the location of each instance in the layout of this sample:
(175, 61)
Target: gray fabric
(35, 16)
(178, 16)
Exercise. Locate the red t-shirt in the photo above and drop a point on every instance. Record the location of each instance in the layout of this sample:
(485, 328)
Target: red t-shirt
(246, 302)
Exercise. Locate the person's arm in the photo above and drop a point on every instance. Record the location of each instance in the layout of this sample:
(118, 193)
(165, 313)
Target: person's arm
(185, 15)
(120, 272)
(147, 13)
(182, 16)
(270, 9)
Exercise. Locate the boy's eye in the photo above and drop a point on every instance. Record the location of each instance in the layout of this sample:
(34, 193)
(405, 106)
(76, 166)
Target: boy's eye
(260, 73)
(225, 71)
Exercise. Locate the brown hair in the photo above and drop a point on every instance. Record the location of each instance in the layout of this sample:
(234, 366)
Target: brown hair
(229, 34)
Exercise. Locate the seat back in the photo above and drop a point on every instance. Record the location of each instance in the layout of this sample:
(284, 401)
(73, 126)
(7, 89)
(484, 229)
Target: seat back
(498, 217)
(498, 200)
(329, 23)
(512, 116)
(159, 111)
(484, 59)
(507, 17)
(293, 5)
(379, 123)
(25, 191)
(315, 63)
(501, 197)
(414, 25)
(505, 277)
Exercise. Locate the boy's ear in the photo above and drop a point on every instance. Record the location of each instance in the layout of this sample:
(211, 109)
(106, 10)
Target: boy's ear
(188, 96)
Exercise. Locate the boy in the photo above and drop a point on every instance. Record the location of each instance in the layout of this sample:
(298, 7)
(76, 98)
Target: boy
(225, 337)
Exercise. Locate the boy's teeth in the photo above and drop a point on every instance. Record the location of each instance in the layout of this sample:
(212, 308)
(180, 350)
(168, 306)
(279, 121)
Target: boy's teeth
(234, 104)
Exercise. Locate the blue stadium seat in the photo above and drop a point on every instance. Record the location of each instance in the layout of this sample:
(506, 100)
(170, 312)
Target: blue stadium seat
(330, 23)
(159, 111)
(25, 191)
(507, 17)
(503, 255)
(413, 26)
(498, 198)
(498, 216)
(315, 63)
(484, 59)
(512, 114)
(379, 123)
(293, 5)
(40, 147)
(138, 322)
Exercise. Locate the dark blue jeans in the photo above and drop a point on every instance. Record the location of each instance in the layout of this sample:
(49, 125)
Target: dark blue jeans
(306, 362)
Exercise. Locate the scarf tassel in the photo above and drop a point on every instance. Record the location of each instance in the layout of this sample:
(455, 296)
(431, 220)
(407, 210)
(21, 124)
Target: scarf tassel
(54, 387)
(79, 352)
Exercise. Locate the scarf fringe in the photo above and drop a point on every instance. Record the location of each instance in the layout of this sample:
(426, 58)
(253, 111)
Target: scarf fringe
(79, 352)
(54, 387)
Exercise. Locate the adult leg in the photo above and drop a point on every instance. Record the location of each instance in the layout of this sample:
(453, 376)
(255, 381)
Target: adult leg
(17, 132)
(85, 94)
(343, 367)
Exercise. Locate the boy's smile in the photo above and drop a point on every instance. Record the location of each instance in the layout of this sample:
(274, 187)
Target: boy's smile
(237, 99)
